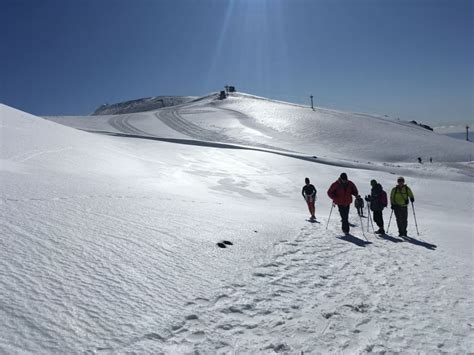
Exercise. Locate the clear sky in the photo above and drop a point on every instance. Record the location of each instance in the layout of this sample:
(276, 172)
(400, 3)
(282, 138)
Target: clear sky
(411, 59)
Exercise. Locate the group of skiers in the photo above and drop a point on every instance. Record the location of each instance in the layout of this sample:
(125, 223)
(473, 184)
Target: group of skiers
(342, 190)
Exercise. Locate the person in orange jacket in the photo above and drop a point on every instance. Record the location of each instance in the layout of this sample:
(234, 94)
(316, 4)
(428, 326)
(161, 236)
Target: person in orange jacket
(341, 192)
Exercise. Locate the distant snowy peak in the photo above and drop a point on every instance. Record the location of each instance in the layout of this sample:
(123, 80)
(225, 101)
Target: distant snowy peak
(142, 105)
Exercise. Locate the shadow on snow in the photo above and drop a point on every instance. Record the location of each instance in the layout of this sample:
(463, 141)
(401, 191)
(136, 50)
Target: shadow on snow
(390, 238)
(352, 239)
(420, 243)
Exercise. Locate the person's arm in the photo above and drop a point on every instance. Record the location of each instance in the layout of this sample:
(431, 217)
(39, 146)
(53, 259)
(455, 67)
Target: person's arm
(302, 192)
(354, 189)
(332, 191)
(410, 194)
(314, 192)
(392, 197)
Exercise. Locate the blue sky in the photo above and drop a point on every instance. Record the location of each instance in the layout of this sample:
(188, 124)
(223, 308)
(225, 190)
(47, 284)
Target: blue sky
(411, 59)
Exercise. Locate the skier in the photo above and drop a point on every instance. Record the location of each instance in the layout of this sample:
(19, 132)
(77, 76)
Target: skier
(309, 194)
(359, 204)
(419, 160)
(399, 200)
(378, 201)
(341, 192)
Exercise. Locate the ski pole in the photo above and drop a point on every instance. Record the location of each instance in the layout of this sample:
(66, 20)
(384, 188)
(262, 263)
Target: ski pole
(389, 221)
(369, 218)
(362, 227)
(332, 205)
(414, 216)
(368, 214)
(371, 223)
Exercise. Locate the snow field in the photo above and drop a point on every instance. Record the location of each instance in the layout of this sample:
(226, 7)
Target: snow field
(109, 246)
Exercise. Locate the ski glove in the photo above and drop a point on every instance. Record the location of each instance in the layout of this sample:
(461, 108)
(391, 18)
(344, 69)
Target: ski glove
(412, 199)
(393, 207)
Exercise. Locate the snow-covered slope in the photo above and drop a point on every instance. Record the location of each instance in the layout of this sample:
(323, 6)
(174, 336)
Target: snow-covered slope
(341, 134)
(142, 105)
(108, 242)
(254, 121)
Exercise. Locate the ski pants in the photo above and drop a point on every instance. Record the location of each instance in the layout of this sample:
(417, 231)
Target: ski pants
(401, 214)
(344, 212)
(310, 202)
(378, 218)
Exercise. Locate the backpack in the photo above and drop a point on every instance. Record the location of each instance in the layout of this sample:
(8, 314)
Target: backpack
(383, 198)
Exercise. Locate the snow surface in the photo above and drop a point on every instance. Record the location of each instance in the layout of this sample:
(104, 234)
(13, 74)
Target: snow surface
(109, 240)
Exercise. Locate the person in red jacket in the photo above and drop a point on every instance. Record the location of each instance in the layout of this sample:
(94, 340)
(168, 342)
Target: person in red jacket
(341, 192)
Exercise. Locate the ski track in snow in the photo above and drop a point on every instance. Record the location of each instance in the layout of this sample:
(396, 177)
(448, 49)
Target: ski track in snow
(325, 294)
(173, 119)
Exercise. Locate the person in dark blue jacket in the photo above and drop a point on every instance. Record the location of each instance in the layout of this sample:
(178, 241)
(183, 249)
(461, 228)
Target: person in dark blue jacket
(309, 194)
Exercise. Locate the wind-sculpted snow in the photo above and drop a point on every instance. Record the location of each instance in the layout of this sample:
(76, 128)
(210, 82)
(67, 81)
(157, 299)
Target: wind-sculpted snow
(329, 294)
(109, 241)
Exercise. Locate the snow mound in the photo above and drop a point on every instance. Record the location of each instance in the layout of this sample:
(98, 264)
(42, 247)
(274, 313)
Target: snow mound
(32, 143)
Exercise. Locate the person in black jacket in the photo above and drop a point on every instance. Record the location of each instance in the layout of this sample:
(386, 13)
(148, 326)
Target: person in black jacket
(309, 194)
(378, 201)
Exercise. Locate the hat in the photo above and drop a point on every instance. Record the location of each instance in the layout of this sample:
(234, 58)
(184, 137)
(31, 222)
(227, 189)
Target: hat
(343, 176)
(400, 178)
(373, 182)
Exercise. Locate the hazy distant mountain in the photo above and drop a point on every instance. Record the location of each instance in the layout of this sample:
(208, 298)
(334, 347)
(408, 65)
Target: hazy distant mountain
(142, 105)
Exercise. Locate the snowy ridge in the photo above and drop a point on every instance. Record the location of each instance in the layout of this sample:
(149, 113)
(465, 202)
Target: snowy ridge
(109, 240)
